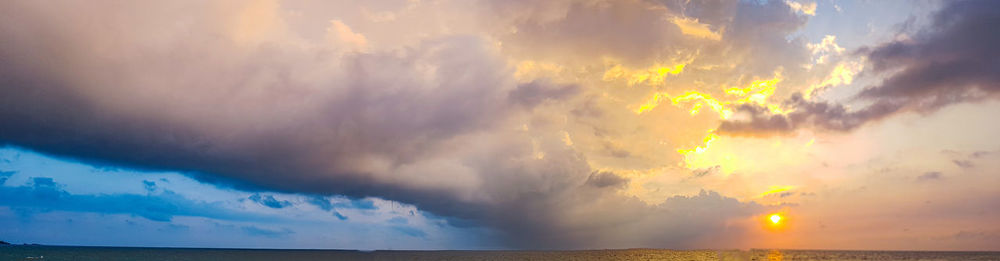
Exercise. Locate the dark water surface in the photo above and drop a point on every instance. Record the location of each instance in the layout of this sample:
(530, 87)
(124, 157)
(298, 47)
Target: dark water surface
(135, 253)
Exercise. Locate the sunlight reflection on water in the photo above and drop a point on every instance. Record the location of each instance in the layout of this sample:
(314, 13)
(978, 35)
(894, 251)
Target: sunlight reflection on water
(121, 253)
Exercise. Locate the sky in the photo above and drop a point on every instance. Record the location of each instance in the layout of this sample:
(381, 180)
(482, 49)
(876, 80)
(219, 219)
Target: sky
(489, 124)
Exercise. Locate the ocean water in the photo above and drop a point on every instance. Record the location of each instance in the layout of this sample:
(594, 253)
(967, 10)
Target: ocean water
(135, 253)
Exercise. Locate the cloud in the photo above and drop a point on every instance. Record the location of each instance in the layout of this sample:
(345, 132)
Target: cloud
(640, 33)
(951, 61)
(42, 182)
(410, 231)
(933, 175)
(249, 103)
(340, 32)
(325, 203)
(263, 232)
(269, 201)
(44, 194)
(363, 204)
(808, 8)
(561, 29)
(965, 164)
(4, 175)
(149, 185)
(397, 220)
(757, 120)
(606, 179)
(320, 202)
(340, 125)
(535, 92)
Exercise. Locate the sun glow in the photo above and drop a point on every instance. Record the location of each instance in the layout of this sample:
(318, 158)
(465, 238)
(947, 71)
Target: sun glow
(776, 190)
(775, 221)
(655, 75)
(694, 28)
(697, 98)
(756, 92)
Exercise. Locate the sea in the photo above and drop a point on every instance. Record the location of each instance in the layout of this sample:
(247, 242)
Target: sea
(39, 253)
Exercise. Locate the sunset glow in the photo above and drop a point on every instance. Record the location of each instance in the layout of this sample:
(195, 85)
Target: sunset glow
(501, 125)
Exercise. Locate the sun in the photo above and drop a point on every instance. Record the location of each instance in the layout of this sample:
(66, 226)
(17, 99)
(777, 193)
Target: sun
(775, 218)
(774, 221)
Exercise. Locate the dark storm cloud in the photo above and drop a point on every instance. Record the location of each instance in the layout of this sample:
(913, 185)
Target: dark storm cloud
(162, 87)
(235, 115)
(954, 60)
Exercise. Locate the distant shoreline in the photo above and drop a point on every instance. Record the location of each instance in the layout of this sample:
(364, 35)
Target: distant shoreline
(4, 243)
